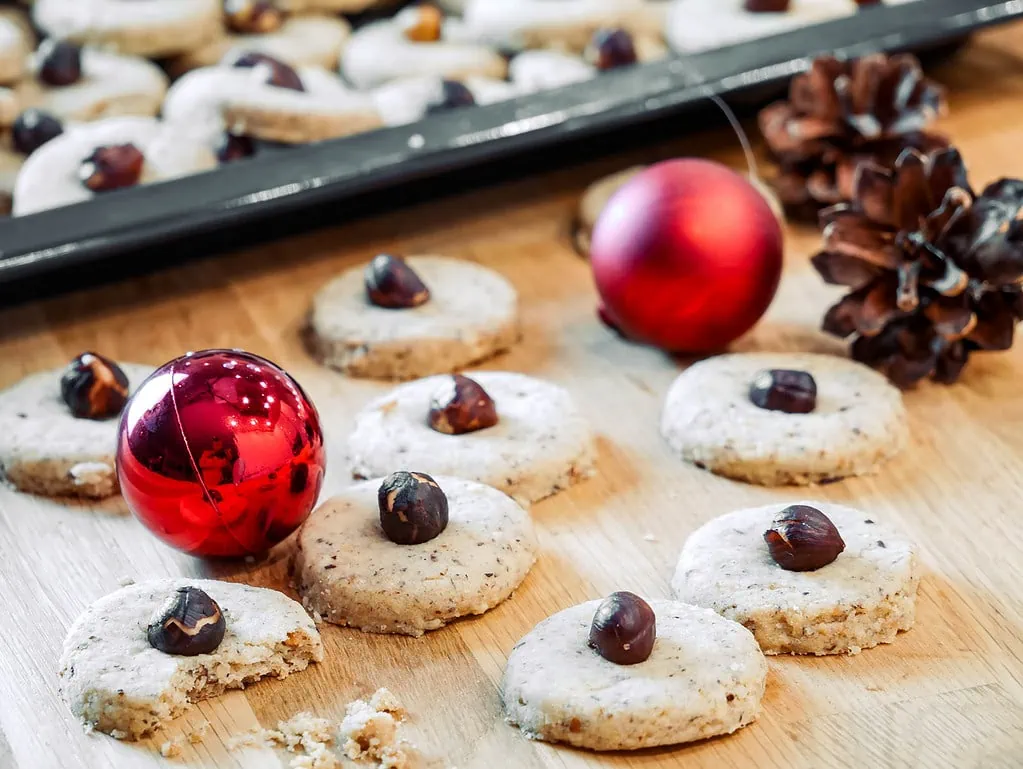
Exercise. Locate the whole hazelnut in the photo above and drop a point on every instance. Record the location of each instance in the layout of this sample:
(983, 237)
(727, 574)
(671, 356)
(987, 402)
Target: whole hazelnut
(94, 387)
(422, 23)
(461, 405)
(112, 167)
(270, 70)
(794, 392)
(393, 285)
(32, 129)
(59, 62)
(233, 147)
(252, 17)
(624, 629)
(610, 48)
(189, 623)
(802, 538)
(413, 508)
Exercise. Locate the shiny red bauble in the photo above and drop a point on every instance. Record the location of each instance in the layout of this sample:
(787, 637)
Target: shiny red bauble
(687, 256)
(220, 453)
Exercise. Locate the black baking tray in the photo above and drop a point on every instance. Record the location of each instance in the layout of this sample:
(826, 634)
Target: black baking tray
(232, 199)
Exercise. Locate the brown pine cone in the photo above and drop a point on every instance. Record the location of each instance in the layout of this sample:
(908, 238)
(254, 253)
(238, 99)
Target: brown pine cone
(840, 114)
(935, 270)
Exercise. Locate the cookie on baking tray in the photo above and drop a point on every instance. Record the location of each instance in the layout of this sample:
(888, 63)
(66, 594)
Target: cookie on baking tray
(409, 99)
(73, 83)
(410, 553)
(784, 418)
(684, 674)
(153, 28)
(142, 655)
(58, 429)
(405, 318)
(94, 158)
(518, 434)
(417, 41)
(17, 40)
(855, 588)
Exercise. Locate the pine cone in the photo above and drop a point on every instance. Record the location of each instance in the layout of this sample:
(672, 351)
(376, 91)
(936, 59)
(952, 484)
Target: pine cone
(935, 270)
(841, 114)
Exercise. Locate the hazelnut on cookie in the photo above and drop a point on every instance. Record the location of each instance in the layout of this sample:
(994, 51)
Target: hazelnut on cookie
(58, 429)
(518, 434)
(411, 552)
(809, 578)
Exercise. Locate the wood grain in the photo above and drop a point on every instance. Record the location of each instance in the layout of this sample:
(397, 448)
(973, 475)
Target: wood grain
(948, 694)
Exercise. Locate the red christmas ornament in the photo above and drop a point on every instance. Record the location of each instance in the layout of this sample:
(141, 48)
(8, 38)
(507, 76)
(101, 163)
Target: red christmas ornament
(219, 453)
(687, 256)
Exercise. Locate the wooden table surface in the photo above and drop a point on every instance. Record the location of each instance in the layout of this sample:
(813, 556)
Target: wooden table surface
(947, 694)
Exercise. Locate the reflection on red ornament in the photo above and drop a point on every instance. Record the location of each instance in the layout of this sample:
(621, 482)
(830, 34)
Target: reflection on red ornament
(687, 256)
(220, 453)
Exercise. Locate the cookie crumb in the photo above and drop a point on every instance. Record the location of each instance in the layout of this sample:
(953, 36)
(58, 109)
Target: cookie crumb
(198, 734)
(384, 701)
(648, 537)
(171, 748)
(124, 580)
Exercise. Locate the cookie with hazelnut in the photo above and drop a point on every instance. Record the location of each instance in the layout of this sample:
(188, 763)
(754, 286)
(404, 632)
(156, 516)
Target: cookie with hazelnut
(784, 418)
(402, 318)
(701, 675)
(75, 83)
(154, 29)
(58, 429)
(418, 40)
(410, 553)
(143, 655)
(808, 578)
(93, 158)
(518, 434)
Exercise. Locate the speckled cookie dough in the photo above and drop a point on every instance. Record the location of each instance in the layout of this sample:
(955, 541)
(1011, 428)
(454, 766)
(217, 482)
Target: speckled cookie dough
(114, 681)
(111, 85)
(540, 445)
(153, 28)
(45, 450)
(472, 315)
(863, 598)
(346, 569)
(705, 677)
(859, 422)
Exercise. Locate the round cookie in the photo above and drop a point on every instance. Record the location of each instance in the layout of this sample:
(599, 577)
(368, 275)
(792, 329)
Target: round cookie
(592, 203)
(858, 424)
(380, 52)
(111, 85)
(116, 682)
(50, 177)
(692, 26)
(16, 42)
(405, 101)
(346, 569)
(863, 598)
(472, 314)
(153, 28)
(705, 677)
(560, 24)
(540, 445)
(45, 450)
(542, 70)
(301, 41)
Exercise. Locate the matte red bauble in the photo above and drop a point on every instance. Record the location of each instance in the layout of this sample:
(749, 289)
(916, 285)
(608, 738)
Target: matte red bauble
(219, 453)
(687, 256)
